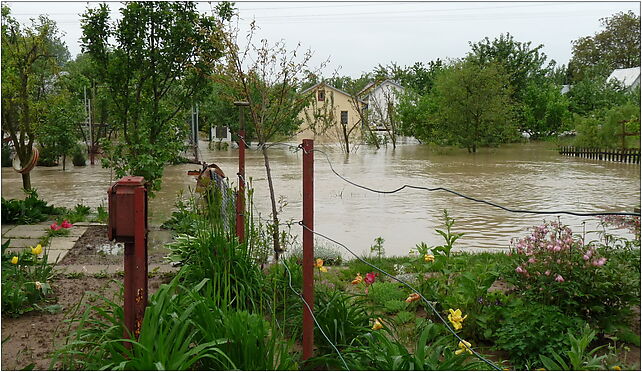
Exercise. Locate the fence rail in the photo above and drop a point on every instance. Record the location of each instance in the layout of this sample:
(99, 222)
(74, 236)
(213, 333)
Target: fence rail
(619, 155)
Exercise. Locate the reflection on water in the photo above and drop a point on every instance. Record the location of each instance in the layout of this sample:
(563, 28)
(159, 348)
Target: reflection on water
(531, 176)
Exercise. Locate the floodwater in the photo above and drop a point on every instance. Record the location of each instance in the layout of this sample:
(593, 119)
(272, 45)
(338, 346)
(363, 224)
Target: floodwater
(519, 176)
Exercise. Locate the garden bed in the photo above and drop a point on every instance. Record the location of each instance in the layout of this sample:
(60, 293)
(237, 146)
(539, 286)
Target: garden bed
(32, 337)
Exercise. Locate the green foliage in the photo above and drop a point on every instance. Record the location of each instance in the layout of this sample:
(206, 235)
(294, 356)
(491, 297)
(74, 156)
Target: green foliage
(605, 131)
(381, 292)
(31, 210)
(79, 159)
(434, 350)
(157, 64)
(553, 267)
(404, 317)
(521, 62)
(473, 106)
(6, 155)
(593, 95)
(342, 317)
(57, 134)
(102, 215)
(76, 214)
(25, 284)
(578, 357)
(169, 338)
(526, 330)
(31, 56)
(377, 247)
(616, 46)
(544, 109)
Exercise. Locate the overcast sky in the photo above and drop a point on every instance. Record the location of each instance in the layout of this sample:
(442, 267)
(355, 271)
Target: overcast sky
(357, 36)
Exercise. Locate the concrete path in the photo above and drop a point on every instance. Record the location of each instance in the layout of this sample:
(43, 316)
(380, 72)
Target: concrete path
(25, 236)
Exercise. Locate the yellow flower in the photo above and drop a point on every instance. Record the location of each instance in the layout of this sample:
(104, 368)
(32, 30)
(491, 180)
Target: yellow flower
(14, 260)
(463, 347)
(36, 250)
(429, 258)
(413, 297)
(456, 318)
(357, 279)
(617, 368)
(377, 325)
(319, 265)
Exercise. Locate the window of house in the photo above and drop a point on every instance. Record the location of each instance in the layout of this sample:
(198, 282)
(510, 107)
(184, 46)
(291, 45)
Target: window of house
(321, 95)
(344, 117)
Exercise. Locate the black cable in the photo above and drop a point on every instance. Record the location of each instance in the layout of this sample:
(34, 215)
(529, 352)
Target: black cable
(471, 198)
(411, 288)
(313, 317)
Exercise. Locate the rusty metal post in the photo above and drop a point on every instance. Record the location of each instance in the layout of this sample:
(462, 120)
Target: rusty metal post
(240, 197)
(128, 224)
(308, 247)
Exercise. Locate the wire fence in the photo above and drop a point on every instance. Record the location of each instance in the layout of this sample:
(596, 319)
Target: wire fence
(430, 304)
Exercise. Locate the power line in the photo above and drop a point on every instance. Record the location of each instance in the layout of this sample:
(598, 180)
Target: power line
(526, 211)
(407, 285)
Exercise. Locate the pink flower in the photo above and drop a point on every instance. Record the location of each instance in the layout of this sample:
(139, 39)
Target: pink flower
(54, 226)
(532, 260)
(559, 278)
(519, 270)
(586, 257)
(599, 262)
(547, 272)
(370, 278)
(66, 225)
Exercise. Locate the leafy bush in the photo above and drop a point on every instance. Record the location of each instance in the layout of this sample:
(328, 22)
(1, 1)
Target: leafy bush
(404, 317)
(528, 329)
(7, 160)
(556, 268)
(577, 358)
(77, 214)
(48, 157)
(28, 211)
(25, 280)
(79, 158)
(381, 292)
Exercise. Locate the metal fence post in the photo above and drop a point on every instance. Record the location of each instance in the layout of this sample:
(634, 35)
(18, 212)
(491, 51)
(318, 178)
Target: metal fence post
(240, 197)
(308, 247)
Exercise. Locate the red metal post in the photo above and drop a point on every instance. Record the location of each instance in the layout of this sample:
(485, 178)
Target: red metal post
(240, 198)
(128, 224)
(308, 247)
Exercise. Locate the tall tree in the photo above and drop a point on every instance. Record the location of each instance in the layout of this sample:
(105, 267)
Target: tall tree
(31, 55)
(520, 60)
(153, 61)
(616, 46)
(473, 105)
(267, 76)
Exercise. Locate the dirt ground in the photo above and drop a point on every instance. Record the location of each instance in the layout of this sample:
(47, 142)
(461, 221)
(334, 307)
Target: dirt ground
(87, 250)
(32, 337)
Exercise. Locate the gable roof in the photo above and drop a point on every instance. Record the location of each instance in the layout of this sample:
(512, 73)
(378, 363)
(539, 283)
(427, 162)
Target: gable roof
(324, 84)
(374, 86)
(626, 76)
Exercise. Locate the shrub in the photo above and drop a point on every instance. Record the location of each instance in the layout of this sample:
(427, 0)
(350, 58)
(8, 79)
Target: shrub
(527, 330)
(79, 158)
(28, 211)
(7, 160)
(382, 292)
(555, 268)
(47, 158)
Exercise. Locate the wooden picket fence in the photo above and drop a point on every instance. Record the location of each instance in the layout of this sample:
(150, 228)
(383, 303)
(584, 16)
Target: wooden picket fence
(619, 155)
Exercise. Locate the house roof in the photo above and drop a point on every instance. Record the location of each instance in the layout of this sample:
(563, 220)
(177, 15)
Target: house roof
(331, 87)
(626, 76)
(373, 85)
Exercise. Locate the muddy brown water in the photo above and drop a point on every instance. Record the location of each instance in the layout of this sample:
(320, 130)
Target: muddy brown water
(521, 176)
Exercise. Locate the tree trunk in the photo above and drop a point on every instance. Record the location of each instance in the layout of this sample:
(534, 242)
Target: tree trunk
(26, 181)
(275, 217)
(64, 162)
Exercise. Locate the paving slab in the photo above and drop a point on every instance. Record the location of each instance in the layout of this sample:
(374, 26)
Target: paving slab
(62, 243)
(6, 228)
(27, 231)
(111, 269)
(56, 255)
(86, 224)
(21, 243)
(77, 231)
